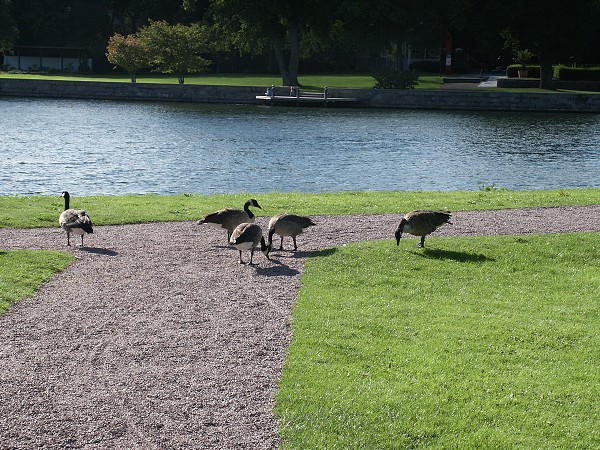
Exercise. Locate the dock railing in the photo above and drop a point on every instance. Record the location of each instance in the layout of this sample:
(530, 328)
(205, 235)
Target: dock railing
(293, 95)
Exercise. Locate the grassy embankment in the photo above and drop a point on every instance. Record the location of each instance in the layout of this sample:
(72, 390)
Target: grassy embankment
(43, 211)
(481, 342)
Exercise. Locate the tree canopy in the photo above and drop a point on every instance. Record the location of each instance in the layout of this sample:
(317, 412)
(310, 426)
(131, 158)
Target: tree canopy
(560, 33)
(128, 52)
(175, 48)
(8, 27)
(296, 32)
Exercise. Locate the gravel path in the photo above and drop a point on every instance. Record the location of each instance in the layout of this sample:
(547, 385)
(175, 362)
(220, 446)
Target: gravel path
(155, 337)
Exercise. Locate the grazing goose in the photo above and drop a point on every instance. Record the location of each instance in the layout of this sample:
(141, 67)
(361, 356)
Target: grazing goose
(229, 218)
(421, 223)
(288, 225)
(247, 236)
(74, 221)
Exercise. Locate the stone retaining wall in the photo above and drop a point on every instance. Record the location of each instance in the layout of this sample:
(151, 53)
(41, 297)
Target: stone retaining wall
(479, 100)
(593, 86)
(129, 91)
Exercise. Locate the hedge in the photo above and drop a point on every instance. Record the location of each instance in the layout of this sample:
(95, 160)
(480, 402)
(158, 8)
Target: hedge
(533, 71)
(578, 74)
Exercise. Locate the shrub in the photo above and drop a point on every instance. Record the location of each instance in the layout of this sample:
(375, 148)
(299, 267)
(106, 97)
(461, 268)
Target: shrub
(395, 79)
(578, 74)
(533, 71)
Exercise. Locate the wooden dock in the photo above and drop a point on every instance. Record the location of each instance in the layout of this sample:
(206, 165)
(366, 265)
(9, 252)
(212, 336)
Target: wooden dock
(304, 98)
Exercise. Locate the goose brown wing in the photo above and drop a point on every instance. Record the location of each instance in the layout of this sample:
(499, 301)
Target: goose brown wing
(425, 222)
(76, 218)
(246, 232)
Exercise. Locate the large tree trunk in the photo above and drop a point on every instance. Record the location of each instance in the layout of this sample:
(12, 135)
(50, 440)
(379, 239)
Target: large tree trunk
(546, 73)
(288, 68)
(280, 58)
(294, 56)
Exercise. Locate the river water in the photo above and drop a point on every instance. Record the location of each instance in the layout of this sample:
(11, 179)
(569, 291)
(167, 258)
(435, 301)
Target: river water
(104, 147)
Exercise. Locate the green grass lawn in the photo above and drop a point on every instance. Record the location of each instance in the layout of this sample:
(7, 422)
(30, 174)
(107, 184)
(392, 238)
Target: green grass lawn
(43, 211)
(308, 81)
(23, 271)
(487, 343)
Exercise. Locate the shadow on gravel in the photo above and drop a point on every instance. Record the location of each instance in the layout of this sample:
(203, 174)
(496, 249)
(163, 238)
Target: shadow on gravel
(98, 251)
(291, 253)
(319, 253)
(280, 270)
(452, 255)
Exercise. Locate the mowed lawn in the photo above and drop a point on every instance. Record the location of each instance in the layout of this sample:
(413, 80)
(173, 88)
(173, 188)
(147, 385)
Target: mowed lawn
(479, 342)
(23, 271)
(308, 81)
(43, 211)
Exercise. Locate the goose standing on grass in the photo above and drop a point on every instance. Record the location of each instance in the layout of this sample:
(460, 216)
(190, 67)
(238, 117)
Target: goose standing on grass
(248, 236)
(229, 218)
(288, 225)
(421, 223)
(74, 221)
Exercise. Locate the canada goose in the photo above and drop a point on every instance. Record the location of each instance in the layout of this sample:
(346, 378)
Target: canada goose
(288, 225)
(229, 218)
(421, 223)
(74, 221)
(247, 236)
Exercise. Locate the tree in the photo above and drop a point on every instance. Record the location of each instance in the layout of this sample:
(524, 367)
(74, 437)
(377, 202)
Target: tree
(288, 27)
(8, 27)
(554, 31)
(128, 52)
(176, 48)
(128, 16)
(383, 26)
(58, 23)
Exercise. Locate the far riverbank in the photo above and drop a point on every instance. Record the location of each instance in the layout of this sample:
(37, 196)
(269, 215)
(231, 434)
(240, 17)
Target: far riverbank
(461, 100)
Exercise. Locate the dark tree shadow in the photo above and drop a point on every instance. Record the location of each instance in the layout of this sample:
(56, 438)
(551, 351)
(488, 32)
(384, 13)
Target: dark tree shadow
(452, 255)
(281, 269)
(98, 251)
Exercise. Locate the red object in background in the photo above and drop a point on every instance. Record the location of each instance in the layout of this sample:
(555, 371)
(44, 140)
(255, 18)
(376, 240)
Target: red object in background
(448, 66)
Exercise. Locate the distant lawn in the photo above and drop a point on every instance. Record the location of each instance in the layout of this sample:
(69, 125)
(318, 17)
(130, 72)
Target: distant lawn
(318, 82)
(308, 81)
(23, 271)
(472, 343)
(43, 211)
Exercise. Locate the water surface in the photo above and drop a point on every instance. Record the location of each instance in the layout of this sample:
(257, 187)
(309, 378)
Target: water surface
(104, 147)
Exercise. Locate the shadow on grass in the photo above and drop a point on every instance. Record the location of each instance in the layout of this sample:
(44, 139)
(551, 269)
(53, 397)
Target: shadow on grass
(451, 255)
(281, 269)
(320, 253)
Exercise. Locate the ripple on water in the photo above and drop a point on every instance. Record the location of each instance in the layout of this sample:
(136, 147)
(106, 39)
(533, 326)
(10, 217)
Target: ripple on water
(99, 147)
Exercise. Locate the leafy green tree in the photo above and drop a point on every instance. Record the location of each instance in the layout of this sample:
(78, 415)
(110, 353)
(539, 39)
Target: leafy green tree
(289, 28)
(176, 48)
(128, 52)
(8, 27)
